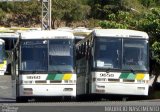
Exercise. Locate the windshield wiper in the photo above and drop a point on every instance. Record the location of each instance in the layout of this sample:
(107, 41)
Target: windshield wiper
(58, 71)
(35, 71)
(108, 69)
(132, 70)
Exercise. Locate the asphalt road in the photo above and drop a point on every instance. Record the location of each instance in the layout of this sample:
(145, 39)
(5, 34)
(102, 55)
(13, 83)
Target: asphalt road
(5, 86)
(132, 106)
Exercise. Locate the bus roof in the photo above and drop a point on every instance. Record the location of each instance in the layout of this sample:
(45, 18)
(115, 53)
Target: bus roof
(65, 29)
(122, 33)
(6, 30)
(81, 32)
(23, 28)
(79, 37)
(47, 34)
(9, 35)
(81, 29)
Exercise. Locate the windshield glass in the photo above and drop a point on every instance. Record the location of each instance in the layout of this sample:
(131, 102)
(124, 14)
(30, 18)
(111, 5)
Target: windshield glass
(135, 55)
(61, 55)
(47, 55)
(2, 53)
(108, 53)
(34, 55)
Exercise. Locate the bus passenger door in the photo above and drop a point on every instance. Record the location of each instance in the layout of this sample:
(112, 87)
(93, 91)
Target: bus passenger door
(14, 74)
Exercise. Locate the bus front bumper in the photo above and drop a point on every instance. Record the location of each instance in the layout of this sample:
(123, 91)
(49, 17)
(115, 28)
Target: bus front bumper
(120, 88)
(47, 90)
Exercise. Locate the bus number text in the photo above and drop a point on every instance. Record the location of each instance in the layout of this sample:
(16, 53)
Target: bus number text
(106, 75)
(33, 77)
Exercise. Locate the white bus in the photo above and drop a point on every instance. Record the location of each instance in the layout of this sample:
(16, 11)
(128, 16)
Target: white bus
(10, 38)
(113, 61)
(3, 61)
(46, 65)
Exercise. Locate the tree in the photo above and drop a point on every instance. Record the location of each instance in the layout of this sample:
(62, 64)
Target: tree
(150, 23)
(68, 10)
(22, 13)
(102, 8)
(2, 17)
(27, 13)
(150, 3)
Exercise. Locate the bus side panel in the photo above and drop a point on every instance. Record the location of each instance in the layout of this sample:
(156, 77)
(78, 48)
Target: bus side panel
(81, 76)
(80, 85)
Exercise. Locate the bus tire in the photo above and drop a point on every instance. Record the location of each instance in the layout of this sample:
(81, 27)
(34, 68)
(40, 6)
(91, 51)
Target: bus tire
(21, 99)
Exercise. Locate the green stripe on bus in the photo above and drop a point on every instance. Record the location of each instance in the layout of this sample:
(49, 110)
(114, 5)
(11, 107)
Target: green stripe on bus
(131, 76)
(58, 77)
(124, 75)
(55, 76)
(51, 76)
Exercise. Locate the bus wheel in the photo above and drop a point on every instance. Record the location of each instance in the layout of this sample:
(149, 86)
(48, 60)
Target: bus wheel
(18, 99)
(73, 98)
(151, 92)
(21, 99)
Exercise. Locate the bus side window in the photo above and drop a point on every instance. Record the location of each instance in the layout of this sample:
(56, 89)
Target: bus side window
(78, 54)
(87, 50)
(83, 50)
(81, 53)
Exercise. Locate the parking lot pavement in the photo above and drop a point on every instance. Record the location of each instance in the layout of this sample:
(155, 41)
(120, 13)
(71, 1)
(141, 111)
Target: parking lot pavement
(5, 87)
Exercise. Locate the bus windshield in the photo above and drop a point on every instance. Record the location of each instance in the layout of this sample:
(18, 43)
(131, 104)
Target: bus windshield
(60, 55)
(1, 53)
(47, 55)
(135, 55)
(119, 53)
(34, 55)
(108, 53)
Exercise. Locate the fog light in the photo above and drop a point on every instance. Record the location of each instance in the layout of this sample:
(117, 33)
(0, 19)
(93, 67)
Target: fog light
(68, 89)
(141, 81)
(100, 86)
(141, 88)
(28, 91)
(100, 91)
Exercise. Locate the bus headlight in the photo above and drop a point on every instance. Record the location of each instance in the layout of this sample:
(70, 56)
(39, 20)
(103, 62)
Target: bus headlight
(100, 91)
(70, 81)
(99, 79)
(141, 88)
(27, 91)
(26, 82)
(100, 86)
(68, 89)
(141, 81)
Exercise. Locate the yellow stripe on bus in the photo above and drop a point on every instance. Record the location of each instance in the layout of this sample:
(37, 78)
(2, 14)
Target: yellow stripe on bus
(67, 76)
(139, 76)
(2, 65)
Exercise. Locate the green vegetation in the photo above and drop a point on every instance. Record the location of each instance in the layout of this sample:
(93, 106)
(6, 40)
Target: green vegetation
(141, 15)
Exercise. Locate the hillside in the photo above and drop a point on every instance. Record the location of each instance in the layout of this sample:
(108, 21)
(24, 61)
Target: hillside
(141, 15)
